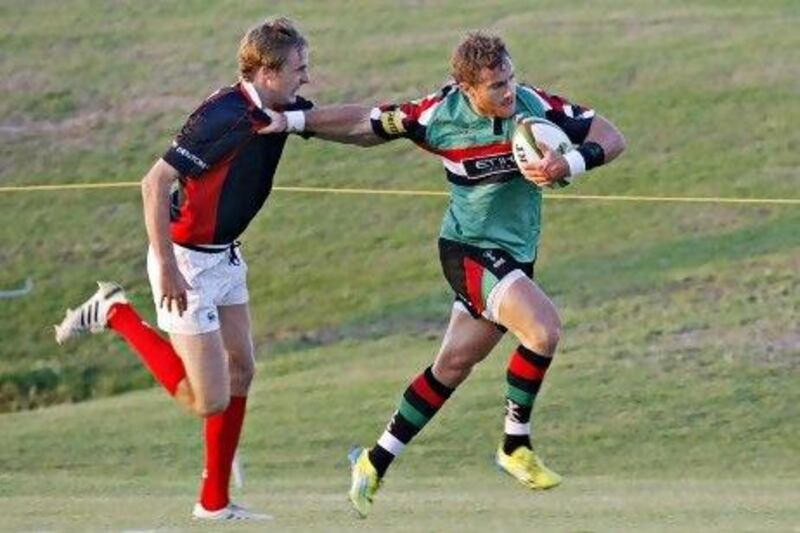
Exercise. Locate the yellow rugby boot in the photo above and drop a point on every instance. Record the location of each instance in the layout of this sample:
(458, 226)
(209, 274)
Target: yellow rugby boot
(365, 481)
(526, 467)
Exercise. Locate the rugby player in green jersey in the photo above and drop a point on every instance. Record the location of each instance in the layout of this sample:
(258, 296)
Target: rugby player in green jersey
(487, 243)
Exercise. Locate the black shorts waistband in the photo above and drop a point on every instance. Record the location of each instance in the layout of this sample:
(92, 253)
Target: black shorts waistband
(209, 248)
(203, 248)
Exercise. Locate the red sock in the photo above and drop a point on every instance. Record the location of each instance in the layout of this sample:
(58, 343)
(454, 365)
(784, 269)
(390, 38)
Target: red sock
(156, 353)
(222, 432)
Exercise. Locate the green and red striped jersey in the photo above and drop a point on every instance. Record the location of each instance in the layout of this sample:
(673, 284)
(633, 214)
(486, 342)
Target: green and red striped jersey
(491, 204)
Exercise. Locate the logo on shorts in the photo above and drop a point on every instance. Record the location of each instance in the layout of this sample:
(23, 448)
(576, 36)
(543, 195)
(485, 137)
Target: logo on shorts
(211, 316)
(496, 262)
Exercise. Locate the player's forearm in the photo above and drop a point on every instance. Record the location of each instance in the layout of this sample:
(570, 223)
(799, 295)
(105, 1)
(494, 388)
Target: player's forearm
(603, 143)
(606, 134)
(348, 123)
(155, 196)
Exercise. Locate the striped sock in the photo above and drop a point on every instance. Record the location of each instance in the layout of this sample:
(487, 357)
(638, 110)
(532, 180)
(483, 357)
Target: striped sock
(420, 402)
(525, 374)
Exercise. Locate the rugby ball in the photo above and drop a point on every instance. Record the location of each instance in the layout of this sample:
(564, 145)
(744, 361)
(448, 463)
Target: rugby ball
(531, 131)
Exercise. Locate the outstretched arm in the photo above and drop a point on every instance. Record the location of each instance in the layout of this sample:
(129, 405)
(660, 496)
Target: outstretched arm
(346, 123)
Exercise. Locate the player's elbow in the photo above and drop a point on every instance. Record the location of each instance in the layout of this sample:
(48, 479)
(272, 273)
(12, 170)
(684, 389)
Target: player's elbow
(158, 180)
(619, 145)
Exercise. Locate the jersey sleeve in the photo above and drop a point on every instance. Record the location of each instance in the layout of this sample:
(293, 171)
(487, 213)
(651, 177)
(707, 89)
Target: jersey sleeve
(574, 119)
(408, 120)
(216, 128)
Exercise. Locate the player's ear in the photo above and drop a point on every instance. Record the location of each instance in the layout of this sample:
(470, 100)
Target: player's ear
(466, 88)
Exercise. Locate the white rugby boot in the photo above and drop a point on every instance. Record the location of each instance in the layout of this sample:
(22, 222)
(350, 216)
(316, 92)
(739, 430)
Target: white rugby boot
(91, 316)
(231, 512)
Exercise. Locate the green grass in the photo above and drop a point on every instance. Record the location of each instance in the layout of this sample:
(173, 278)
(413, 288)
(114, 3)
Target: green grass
(639, 448)
(672, 404)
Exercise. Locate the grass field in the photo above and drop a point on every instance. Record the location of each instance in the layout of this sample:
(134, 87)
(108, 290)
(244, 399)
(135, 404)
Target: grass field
(673, 402)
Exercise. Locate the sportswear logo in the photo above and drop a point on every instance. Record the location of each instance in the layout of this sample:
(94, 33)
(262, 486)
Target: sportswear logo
(190, 156)
(511, 411)
(392, 422)
(496, 262)
(211, 316)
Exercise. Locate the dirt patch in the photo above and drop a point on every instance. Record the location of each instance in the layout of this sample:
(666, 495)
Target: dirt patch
(83, 122)
(25, 81)
(429, 329)
(756, 343)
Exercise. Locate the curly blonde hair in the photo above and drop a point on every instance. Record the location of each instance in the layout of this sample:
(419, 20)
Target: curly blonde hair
(479, 50)
(268, 45)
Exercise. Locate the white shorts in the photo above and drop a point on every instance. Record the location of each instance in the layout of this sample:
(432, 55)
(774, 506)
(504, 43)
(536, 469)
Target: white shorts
(215, 279)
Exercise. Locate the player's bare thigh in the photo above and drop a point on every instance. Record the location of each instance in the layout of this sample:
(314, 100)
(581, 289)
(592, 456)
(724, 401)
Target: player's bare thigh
(237, 339)
(530, 314)
(466, 342)
(206, 365)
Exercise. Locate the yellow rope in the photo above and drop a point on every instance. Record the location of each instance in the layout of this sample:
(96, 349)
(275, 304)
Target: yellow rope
(396, 192)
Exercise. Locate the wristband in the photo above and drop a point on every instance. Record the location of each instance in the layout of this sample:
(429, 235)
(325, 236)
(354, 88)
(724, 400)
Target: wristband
(295, 121)
(593, 154)
(576, 162)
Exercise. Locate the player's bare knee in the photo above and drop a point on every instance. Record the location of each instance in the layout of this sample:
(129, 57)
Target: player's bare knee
(242, 369)
(211, 406)
(542, 338)
(452, 367)
(241, 381)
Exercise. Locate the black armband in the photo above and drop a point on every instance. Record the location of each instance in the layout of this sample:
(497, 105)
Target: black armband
(388, 122)
(593, 154)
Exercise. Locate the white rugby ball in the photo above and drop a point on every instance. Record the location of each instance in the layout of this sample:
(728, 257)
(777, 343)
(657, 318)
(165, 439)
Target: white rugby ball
(537, 130)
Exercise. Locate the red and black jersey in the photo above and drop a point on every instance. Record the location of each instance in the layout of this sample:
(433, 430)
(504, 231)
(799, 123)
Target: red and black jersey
(226, 168)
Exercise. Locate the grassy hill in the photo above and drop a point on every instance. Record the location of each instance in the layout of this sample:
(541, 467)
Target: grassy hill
(672, 404)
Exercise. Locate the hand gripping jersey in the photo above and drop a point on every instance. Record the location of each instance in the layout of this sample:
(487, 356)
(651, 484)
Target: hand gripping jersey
(226, 168)
(491, 204)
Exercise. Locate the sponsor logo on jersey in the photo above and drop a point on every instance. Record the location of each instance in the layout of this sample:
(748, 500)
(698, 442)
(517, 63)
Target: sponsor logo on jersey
(190, 156)
(481, 167)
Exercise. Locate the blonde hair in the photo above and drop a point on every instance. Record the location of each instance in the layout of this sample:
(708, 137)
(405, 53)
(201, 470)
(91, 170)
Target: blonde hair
(476, 52)
(268, 45)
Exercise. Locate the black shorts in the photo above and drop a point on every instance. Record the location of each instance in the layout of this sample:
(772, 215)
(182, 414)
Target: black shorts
(473, 272)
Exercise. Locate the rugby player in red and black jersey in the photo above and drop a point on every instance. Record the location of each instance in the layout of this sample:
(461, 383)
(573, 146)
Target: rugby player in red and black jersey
(198, 199)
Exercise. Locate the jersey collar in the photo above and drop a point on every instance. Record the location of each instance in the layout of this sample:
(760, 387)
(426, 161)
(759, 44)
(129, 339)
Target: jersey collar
(252, 93)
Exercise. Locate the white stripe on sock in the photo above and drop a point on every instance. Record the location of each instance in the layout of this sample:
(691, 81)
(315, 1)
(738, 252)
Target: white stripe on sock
(391, 444)
(515, 428)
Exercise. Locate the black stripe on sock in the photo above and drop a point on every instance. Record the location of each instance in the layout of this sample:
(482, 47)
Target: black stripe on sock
(419, 403)
(402, 429)
(539, 361)
(512, 442)
(380, 459)
(528, 385)
(438, 387)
